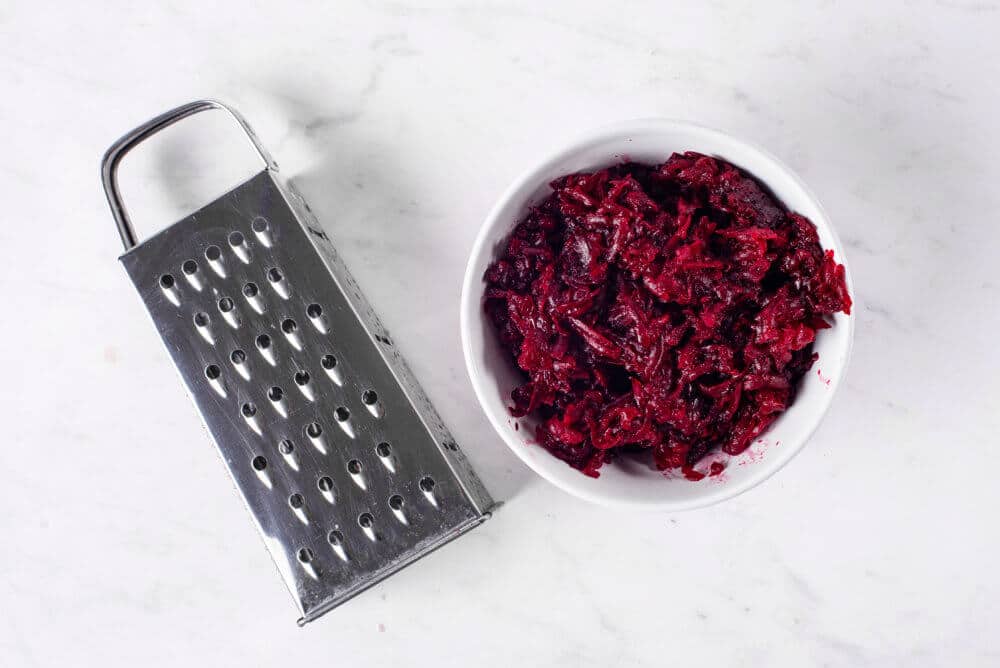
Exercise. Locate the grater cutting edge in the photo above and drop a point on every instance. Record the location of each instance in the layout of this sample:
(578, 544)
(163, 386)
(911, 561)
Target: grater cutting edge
(345, 466)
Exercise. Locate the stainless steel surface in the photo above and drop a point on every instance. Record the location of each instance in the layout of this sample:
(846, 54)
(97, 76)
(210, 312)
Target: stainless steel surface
(344, 464)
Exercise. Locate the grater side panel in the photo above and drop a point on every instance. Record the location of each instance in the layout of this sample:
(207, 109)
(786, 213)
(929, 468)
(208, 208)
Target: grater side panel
(390, 353)
(341, 473)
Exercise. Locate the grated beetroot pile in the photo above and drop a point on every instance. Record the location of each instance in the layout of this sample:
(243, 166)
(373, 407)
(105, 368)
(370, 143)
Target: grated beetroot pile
(668, 309)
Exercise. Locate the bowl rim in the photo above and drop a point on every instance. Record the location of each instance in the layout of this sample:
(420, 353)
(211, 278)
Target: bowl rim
(471, 303)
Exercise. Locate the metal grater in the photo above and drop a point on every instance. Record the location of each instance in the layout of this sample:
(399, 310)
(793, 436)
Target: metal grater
(348, 471)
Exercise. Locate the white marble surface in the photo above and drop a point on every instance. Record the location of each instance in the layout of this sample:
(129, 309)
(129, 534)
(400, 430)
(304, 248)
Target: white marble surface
(121, 541)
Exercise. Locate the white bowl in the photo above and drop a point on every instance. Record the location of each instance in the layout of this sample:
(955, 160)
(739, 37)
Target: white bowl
(625, 482)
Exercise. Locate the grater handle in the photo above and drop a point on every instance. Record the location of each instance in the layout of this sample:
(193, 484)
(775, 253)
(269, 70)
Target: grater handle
(118, 150)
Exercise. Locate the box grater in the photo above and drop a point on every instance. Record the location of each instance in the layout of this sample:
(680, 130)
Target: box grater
(346, 468)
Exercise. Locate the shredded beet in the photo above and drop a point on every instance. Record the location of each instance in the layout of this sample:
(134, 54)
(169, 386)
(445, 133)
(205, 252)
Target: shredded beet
(668, 309)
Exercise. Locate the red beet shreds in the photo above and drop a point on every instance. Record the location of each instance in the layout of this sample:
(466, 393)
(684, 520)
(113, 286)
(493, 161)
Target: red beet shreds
(667, 308)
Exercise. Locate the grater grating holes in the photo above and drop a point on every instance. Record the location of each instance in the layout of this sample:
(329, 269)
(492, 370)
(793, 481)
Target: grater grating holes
(259, 465)
(262, 229)
(278, 282)
(325, 486)
(427, 486)
(291, 330)
(239, 245)
(264, 347)
(367, 523)
(302, 379)
(314, 432)
(356, 470)
(329, 364)
(305, 557)
(213, 373)
(370, 399)
(287, 450)
(384, 452)
(396, 504)
(316, 317)
(228, 309)
(202, 324)
(249, 412)
(252, 294)
(343, 417)
(297, 503)
(336, 540)
(213, 255)
(277, 397)
(190, 270)
(238, 357)
(169, 287)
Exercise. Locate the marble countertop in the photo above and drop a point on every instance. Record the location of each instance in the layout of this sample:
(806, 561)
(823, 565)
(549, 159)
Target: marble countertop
(123, 541)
